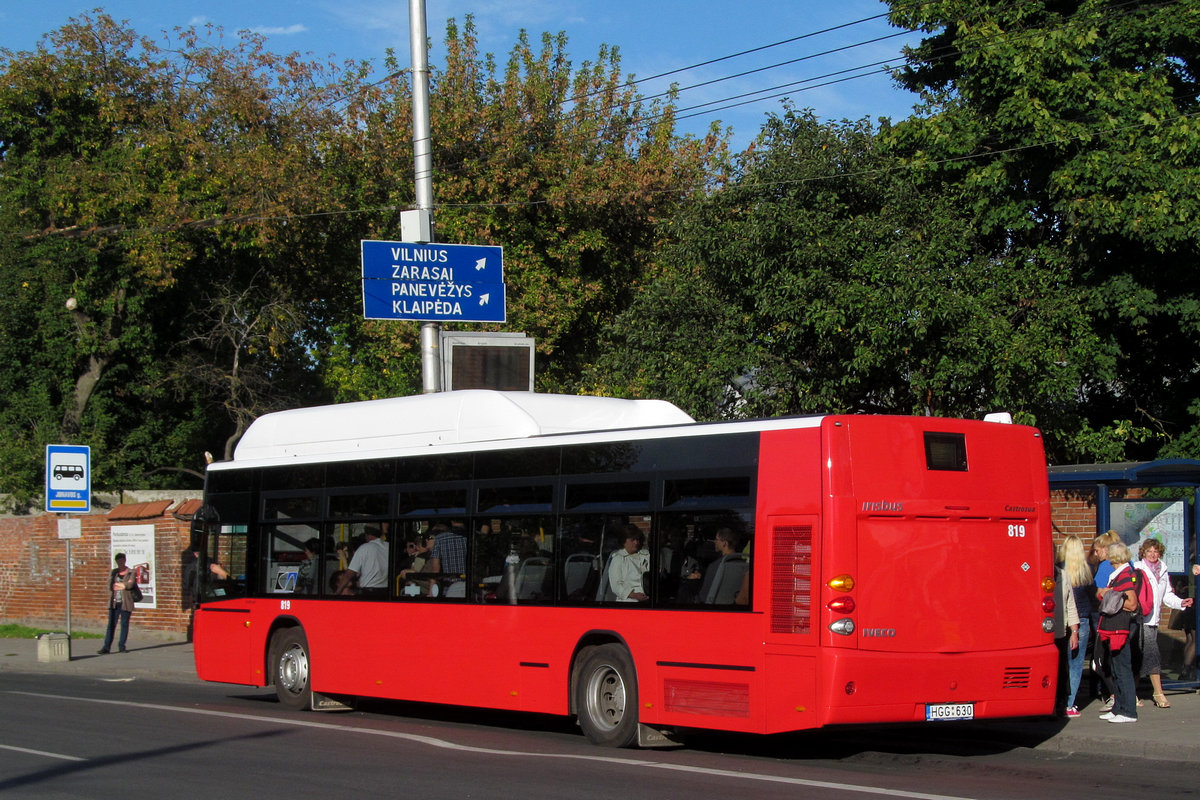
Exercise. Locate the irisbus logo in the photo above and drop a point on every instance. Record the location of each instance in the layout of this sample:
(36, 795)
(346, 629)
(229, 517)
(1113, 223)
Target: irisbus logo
(881, 505)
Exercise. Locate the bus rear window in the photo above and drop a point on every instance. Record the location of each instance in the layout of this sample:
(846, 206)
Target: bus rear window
(945, 451)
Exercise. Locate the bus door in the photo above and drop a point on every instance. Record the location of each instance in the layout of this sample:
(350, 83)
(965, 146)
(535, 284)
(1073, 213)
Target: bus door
(215, 568)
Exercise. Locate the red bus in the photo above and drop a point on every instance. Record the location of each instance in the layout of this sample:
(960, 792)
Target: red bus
(613, 560)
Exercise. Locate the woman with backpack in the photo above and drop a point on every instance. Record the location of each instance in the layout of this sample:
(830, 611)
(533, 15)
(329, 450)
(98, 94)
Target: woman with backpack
(1101, 683)
(1151, 566)
(1117, 621)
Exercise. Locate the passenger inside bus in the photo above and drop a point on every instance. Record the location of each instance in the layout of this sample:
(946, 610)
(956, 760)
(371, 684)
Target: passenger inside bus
(310, 567)
(724, 577)
(449, 556)
(417, 552)
(627, 568)
(369, 565)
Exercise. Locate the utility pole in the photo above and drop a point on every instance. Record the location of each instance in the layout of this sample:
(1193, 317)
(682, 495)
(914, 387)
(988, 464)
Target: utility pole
(431, 363)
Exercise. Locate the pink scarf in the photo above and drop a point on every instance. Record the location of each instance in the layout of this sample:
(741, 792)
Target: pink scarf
(1155, 568)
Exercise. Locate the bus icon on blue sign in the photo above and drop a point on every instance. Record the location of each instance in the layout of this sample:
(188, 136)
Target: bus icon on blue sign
(68, 478)
(65, 471)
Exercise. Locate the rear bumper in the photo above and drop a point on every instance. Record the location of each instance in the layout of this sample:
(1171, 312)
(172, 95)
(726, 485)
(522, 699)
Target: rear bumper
(867, 687)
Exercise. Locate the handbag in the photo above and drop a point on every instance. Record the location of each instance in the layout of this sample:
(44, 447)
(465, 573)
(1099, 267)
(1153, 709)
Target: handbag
(1112, 602)
(135, 593)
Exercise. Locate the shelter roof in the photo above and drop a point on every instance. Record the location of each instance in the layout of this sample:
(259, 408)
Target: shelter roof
(1165, 472)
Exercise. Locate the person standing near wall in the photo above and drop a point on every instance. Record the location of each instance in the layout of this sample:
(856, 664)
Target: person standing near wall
(120, 603)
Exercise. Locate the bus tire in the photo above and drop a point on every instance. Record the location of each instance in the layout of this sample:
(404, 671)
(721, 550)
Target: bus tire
(606, 703)
(291, 667)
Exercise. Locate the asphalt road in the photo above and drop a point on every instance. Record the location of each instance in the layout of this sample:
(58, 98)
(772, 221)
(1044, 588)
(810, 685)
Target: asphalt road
(101, 733)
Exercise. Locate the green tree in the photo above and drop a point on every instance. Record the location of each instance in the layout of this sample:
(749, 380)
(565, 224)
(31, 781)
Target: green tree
(1069, 131)
(820, 280)
(566, 168)
(141, 182)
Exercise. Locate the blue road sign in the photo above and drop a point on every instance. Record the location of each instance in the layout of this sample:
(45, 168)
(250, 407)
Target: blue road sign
(68, 478)
(433, 282)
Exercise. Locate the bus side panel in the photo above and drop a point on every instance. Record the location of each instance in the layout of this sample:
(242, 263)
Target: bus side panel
(790, 687)
(224, 638)
(454, 654)
(788, 549)
(697, 669)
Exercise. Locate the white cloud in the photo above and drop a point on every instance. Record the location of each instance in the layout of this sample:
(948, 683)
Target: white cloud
(268, 30)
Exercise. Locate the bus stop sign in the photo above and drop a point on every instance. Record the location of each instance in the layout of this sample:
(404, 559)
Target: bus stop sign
(433, 282)
(68, 478)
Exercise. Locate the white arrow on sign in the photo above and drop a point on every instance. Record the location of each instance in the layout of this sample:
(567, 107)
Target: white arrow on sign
(481, 264)
(483, 299)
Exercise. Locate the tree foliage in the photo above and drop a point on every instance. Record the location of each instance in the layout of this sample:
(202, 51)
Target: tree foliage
(1069, 128)
(825, 281)
(139, 180)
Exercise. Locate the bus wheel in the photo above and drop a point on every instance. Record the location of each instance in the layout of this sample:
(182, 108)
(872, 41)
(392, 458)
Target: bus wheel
(606, 696)
(291, 665)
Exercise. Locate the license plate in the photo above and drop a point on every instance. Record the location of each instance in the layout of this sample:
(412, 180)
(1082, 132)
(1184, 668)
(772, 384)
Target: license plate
(937, 712)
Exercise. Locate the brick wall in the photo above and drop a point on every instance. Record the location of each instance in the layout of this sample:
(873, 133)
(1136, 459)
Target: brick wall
(33, 585)
(1074, 511)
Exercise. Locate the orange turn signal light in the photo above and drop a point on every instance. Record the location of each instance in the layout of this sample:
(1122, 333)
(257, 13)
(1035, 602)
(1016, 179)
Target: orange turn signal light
(842, 583)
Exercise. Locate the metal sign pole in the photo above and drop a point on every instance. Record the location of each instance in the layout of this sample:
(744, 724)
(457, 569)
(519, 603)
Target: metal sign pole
(431, 363)
(68, 588)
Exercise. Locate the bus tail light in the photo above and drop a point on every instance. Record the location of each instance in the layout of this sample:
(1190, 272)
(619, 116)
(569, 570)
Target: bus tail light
(841, 605)
(1048, 604)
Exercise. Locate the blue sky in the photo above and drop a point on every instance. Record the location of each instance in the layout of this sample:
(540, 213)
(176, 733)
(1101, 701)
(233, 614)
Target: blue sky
(654, 37)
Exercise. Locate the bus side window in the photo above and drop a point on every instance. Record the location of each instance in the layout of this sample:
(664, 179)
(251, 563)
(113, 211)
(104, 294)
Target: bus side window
(705, 560)
(579, 545)
(514, 560)
(284, 556)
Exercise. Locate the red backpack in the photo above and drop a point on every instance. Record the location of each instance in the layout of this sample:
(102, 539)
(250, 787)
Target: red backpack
(1144, 587)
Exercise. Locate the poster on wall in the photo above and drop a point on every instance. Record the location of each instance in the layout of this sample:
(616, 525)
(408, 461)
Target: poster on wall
(137, 543)
(1138, 520)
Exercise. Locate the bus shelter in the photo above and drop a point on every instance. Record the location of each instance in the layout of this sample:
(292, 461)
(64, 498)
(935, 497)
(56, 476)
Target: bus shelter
(1140, 500)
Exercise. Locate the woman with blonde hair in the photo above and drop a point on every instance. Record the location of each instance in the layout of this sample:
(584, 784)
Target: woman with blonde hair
(1078, 577)
(1102, 570)
(1115, 630)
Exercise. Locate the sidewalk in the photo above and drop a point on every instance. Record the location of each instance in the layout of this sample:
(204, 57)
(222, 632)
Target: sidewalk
(160, 659)
(1171, 734)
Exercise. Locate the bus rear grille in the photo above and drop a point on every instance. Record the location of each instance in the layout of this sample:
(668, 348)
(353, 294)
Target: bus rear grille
(791, 580)
(1016, 677)
(707, 698)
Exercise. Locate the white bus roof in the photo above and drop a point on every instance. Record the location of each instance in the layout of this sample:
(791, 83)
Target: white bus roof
(373, 427)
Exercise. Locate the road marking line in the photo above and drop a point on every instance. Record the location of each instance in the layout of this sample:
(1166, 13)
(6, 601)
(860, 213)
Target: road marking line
(446, 745)
(41, 753)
